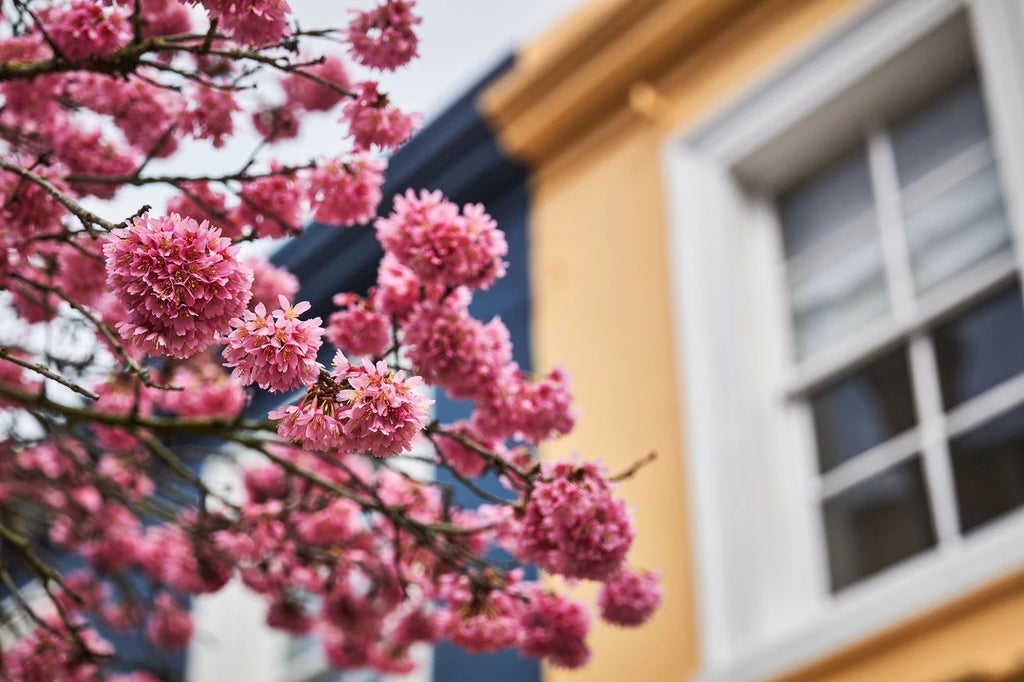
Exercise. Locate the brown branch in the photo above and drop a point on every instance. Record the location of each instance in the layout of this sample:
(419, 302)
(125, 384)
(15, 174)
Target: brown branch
(45, 371)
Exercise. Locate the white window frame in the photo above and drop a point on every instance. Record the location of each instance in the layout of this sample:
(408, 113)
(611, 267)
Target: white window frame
(764, 600)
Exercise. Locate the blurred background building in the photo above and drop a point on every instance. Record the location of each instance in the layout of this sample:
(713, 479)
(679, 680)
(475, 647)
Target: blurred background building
(778, 242)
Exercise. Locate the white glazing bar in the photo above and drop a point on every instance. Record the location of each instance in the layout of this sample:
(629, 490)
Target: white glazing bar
(886, 186)
(986, 406)
(867, 464)
(935, 446)
(948, 175)
(924, 372)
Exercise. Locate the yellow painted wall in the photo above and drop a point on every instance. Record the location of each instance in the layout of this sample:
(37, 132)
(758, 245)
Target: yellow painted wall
(601, 291)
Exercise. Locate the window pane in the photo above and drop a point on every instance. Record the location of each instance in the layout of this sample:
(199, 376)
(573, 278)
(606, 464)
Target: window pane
(957, 229)
(821, 205)
(988, 464)
(863, 409)
(839, 296)
(981, 347)
(944, 129)
(878, 523)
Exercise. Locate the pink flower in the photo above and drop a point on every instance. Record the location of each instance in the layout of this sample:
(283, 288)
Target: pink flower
(27, 209)
(87, 151)
(383, 410)
(429, 235)
(336, 523)
(480, 620)
(169, 625)
(209, 115)
(357, 329)
(120, 395)
(346, 192)
(289, 615)
(534, 410)
(315, 422)
(161, 17)
(86, 30)
(271, 205)
(397, 290)
(573, 526)
(308, 93)
(143, 111)
(204, 203)
(373, 121)
(555, 628)
(207, 391)
(80, 270)
(451, 349)
(629, 598)
(276, 351)
(277, 123)
(180, 281)
(384, 38)
(253, 22)
(270, 282)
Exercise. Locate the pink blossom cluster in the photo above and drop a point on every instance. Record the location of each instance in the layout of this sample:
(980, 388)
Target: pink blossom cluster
(271, 206)
(277, 123)
(270, 283)
(87, 30)
(276, 350)
(398, 290)
(542, 624)
(180, 281)
(206, 391)
(358, 408)
(346, 192)
(573, 525)
(358, 329)
(338, 530)
(630, 598)
(372, 121)
(203, 202)
(430, 236)
(452, 349)
(159, 17)
(253, 22)
(383, 410)
(384, 37)
(310, 93)
(534, 410)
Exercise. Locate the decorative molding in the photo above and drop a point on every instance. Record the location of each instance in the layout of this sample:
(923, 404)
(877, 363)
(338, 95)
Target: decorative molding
(568, 83)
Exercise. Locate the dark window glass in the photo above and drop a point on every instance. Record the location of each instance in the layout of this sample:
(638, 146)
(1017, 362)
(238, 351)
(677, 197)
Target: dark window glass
(878, 523)
(981, 347)
(946, 128)
(988, 465)
(863, 409)
(827, 201)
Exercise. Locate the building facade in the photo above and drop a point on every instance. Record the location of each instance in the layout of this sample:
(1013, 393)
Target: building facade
(779, 242)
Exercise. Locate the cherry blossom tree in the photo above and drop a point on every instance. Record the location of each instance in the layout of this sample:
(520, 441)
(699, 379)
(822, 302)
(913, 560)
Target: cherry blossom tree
(130, 349)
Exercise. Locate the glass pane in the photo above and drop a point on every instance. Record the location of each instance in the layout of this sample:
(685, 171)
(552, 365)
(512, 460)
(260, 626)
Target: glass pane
(981, 348)
(863, 409)
(821, 205)
(959, 228)
(988, 464)
(878, 523)
(839, 297)
(944, 129)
